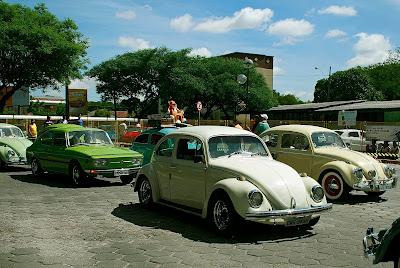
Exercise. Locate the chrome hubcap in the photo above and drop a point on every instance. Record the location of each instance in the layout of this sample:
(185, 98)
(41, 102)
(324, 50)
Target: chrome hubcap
(76, 174)
(34, 167)
(145, 191)
(221, 215)
(333, 185)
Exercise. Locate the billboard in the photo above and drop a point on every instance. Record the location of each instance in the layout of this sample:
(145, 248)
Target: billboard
(78, 103)
(347, 118)
(383, 133)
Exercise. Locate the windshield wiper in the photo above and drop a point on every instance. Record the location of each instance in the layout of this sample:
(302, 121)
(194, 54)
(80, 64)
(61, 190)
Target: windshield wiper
(259, 153)
(237, 152)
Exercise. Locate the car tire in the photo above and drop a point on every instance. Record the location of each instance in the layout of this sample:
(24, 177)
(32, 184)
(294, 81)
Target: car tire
(396, 262)
(375, 194)
(3, 165)
(126, 179)
(334, 186)
(145, 192)
(222, 214)
(77, 175)
(36, 168)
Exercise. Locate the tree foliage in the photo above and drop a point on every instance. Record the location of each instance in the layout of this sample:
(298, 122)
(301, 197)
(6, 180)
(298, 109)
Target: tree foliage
(352, 84)
(143, 77)
(286, 99)
(37, 49)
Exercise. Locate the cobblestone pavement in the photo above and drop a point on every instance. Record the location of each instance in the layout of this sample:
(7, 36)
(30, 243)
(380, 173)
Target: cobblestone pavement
(47, 223)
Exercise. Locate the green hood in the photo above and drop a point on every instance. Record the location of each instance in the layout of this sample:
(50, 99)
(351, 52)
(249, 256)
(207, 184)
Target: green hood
(104, 151)
(18, 145)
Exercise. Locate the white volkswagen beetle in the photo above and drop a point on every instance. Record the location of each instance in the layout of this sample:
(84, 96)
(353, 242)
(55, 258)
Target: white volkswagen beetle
(224, 174)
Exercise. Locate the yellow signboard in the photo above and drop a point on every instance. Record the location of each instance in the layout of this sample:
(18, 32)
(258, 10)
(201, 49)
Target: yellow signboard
(78, 103)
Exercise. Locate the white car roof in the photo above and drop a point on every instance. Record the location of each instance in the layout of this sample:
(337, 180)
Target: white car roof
(210, 131)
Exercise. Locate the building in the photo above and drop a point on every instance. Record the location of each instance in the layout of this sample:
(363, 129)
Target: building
(49, 102)
(264, 64)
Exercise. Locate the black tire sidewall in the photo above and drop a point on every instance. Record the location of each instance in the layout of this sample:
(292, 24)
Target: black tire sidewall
(233, 217)
(150, 201)
(80, 180)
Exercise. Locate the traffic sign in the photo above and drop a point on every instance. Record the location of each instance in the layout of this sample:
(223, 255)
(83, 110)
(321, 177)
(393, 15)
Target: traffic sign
(199, 106)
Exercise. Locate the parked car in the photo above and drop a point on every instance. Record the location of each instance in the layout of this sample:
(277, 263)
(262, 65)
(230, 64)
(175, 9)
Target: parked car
(131, 134)
(146, 141)
(384, 246)
(224, 174)
(110, 131)
(81, 153)
(354, 139)
(13, 144)
(323, 155)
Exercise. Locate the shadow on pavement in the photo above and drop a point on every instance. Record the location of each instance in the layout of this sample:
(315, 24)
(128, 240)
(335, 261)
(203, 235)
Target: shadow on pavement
(359, 198)
(15, 169)
(60, 181)
(197, 229)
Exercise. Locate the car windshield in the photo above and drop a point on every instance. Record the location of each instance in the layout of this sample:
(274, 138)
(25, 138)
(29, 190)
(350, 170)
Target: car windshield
(11, 132)
(230, 145)
(88, 137)
(321, 139)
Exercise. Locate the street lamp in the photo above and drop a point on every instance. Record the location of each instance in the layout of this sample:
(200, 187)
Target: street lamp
(241, 79)
(329, 81)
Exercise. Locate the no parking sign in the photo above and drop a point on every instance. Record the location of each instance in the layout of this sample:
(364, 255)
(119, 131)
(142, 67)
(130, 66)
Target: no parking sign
(199, 106)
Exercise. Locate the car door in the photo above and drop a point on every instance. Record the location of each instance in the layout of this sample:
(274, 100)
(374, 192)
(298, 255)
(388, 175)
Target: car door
(58, 156)
(162, 166)
(43, 148)
(295, 151)
(188, 178)
(355, 140)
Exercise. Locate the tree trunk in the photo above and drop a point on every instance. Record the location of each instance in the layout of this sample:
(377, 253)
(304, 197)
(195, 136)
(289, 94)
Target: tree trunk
(6, 96)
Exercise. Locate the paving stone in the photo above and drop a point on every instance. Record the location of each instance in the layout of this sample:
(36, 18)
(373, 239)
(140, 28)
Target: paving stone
(163, 260)
(24, 251)
(136, 258)
(102, 250)
(111, 263)
(143, 265)
(107, 256)
(158, 253)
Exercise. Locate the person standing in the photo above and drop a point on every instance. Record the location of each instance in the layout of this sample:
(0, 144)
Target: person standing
(395, 148)
(48, 122)
(80, 121)
(262, 124)
(32, 130)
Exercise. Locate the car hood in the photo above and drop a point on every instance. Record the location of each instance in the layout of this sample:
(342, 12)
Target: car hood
(279, 182)
(103, 151)
(18, 145)
(358, 159)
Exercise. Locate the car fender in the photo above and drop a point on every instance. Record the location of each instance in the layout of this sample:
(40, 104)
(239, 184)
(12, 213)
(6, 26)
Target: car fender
(3, 152)
(386, 248)
(343, 168)
(309, 183)
(148, 172)
(238, 191)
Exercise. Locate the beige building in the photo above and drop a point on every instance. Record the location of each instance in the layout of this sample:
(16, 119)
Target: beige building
(264, 64)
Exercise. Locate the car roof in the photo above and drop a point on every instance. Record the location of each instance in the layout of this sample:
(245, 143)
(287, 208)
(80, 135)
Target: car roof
(304, 129)
(209, 131)
(6, 125)
(69, 127)
(162, 130)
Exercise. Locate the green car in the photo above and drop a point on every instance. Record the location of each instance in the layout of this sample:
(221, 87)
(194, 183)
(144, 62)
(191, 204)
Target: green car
(384, 245)
(81, 153)
(13, 144)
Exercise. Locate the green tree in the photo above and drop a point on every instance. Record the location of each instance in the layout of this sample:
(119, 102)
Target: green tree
(385, 77)
(37, 49)
(286, 99)
(352, 84)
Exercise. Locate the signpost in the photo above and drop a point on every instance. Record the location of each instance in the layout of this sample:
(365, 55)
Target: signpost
(199, 108)
(77, 101)
(347, 118)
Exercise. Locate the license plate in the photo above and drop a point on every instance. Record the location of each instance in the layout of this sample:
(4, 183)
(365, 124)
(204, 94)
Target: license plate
(386, 186)
(298, 221)
(121, 172)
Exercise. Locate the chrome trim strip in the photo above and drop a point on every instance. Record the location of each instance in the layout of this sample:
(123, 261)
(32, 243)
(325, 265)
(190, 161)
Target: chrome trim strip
(289, 212)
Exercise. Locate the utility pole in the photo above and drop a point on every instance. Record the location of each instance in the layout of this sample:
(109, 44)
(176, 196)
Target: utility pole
(329, 82)
(66, 100)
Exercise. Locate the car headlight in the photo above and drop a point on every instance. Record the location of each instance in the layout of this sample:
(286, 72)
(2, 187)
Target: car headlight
(255, 198)
(317, 193)
(389, 171)
(358, 173)
(137, 161)
(99, 162)
(10, 154)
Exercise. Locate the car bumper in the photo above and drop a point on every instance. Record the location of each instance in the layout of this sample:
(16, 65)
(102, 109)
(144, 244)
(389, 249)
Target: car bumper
(17, 161)
(376, 186)
(288, 217)
(112, 173)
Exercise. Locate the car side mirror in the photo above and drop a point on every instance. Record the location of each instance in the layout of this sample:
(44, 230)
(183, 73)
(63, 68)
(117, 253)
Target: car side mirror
(198, 159)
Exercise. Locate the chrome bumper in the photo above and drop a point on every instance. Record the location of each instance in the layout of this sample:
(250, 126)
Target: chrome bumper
(17, 161)
(109, 173)
(376, 186)
(288, 213)
(370, 243)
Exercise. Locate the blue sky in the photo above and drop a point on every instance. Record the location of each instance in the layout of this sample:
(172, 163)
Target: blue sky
(300, 34)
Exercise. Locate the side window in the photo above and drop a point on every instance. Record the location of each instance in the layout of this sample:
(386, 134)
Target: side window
(188, 148)
(295, 141)
(142, 138)
(271, 139)
(155, 138)
(47, 138)
(354, 134)
(59, 139)
(166, 148)
(339, 132)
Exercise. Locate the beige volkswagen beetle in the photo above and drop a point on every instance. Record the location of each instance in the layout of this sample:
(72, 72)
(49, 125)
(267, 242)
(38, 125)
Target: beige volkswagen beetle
(321, 153)
(224, 174)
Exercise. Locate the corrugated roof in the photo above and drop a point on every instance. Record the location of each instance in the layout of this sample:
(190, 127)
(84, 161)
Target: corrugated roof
(394, 104)
(313, 106)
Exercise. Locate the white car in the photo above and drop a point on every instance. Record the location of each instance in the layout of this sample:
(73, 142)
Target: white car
(354, 139)
(223, 174)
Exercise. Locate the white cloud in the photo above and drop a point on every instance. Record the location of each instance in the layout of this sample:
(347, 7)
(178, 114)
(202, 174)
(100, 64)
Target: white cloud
(132, 42)
(290, 30)
(126, 15)
(246, 18)
(183, 23)
(148, 7)
(335, 33)
(339, 11)
(86, 82)
(278, 70)
(370, 49)
(202, 51)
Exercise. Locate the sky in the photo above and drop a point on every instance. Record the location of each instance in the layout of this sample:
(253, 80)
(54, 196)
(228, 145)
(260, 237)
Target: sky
(305, 37)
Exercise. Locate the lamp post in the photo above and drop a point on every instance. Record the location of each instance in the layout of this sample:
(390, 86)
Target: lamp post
(241, 79)
(329, 81)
